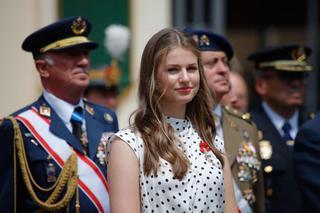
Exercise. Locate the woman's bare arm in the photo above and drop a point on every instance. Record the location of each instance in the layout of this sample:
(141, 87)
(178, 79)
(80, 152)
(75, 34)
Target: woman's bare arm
(123, 178)
(231, 204)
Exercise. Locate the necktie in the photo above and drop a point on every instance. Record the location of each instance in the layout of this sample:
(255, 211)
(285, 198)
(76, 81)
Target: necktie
(286, 131)
(217, 121)
(76, 122)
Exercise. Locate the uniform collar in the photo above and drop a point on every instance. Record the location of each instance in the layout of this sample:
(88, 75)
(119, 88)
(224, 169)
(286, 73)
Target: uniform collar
(278, 120)
(63, 109)
(217, 110)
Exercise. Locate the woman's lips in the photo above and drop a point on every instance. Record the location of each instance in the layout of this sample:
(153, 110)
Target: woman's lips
(184, 89)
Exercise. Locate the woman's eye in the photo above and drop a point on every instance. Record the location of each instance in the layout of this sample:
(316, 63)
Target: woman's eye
(192, 69)
(173, 70)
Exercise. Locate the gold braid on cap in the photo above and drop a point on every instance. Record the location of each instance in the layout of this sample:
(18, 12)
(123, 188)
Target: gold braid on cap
(287, 65)
(64, 43)
(68, 177)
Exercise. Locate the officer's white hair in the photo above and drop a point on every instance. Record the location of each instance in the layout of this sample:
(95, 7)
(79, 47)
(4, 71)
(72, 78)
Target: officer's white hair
(48, 60)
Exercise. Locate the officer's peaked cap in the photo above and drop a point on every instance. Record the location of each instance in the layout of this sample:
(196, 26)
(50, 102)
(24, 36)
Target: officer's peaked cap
(282, 58)
(63, 34)
(209, 41)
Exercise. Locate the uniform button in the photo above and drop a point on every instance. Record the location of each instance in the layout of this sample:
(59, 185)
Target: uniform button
(268, 169)
(269, 192)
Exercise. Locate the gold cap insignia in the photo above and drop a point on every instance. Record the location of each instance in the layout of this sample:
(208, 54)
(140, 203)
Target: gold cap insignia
(89, 109)
(204, 40)
(265, 149)
(299, 54)
(45, 111)
(78, 26)
(108, 118)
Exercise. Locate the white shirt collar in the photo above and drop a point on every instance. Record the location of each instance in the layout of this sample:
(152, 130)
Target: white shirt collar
(278, 120)
(217, 110)
(61, 107)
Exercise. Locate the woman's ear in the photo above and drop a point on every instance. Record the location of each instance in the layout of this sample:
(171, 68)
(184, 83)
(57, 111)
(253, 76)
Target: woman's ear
(42, 67)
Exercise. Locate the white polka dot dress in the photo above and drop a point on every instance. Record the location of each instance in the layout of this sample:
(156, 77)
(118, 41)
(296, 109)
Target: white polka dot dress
(201, 190)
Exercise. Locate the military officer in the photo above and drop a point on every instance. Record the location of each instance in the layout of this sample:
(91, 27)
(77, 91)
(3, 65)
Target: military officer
(239, 134)
(279, 81)
(53, 151)
(238, 96)
(104, 81)
(103, 87)
(306, 157)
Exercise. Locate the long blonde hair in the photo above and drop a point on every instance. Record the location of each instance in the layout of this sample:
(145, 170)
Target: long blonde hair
(158, 136)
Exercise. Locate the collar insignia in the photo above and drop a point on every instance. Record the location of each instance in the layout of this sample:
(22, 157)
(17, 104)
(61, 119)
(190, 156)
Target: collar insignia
(45, 111)
(89, 109)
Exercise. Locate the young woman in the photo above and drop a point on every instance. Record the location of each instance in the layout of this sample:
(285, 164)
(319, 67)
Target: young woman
(169, 159)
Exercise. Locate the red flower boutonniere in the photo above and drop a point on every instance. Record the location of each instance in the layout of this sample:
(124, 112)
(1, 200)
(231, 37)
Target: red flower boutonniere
(204, 147)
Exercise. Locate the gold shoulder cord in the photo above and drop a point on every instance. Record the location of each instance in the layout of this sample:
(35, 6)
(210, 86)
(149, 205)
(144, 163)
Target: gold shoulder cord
(67, 178)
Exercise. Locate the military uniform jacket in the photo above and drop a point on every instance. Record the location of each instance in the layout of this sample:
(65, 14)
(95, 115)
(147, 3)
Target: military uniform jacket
(307, 163)
(238, 132)
(282, 194)
(100, 121)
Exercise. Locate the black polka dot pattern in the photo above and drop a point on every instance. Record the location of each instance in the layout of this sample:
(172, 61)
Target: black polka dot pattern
(201, 190)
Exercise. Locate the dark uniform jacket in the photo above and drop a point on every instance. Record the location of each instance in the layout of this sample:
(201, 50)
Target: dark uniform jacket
(282, 194)
(307, 164)
(237, 132)
(99, 121)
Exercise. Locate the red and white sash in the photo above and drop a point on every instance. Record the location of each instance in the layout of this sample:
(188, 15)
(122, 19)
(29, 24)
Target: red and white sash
(91, 180)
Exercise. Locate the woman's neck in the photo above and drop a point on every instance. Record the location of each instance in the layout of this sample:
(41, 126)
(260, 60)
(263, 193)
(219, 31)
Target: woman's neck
(176, 111)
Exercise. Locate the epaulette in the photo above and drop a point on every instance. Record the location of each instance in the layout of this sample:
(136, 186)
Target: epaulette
(243, 116)
(89, 106)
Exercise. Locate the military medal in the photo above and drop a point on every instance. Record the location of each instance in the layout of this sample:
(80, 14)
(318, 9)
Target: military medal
(244, 174)
(249, 164)
(101, 152)
(84, 141)
(249, 196)
(51, 172)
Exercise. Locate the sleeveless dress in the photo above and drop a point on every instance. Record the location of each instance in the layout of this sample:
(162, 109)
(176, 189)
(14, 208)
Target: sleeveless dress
(202, 188)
